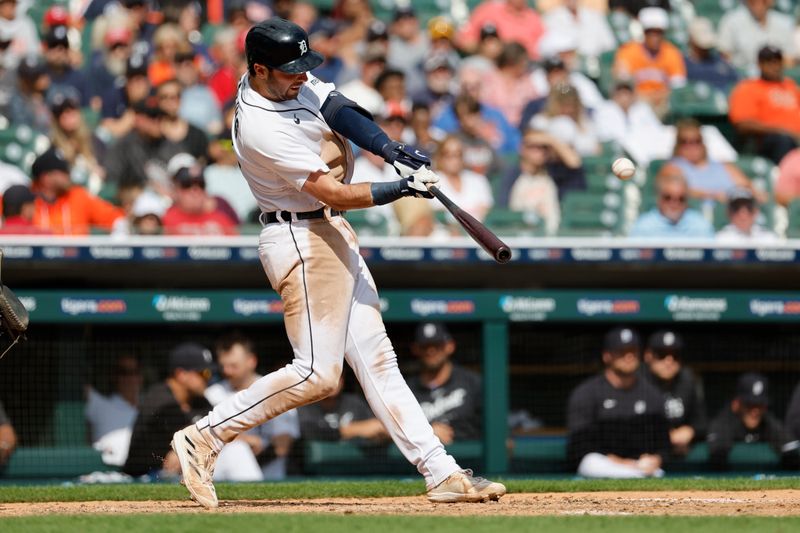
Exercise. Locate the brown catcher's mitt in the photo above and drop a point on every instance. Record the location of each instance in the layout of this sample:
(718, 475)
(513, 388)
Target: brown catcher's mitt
(12, 313)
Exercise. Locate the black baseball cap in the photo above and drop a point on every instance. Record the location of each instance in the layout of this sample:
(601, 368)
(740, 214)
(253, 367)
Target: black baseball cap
(190, 356)
(432, 333)
(620, 338)
(136, 66)
(190, 175)
(769, 53)
(404, 12)
(553, 63)
(753, 389)
(52, 159)
(377, 30)
(665, 342)
(489, 30)
(282, 45)
(148, 107)
(31, 68)
(57, 36)
(15, 197)
(63, 98)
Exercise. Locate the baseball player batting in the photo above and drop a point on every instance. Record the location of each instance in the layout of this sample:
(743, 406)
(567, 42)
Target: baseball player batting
(285, 122)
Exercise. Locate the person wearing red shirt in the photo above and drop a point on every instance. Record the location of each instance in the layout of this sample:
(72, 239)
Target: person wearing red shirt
(194, 212)
(62, 207)
(514, 20)
(19, 205)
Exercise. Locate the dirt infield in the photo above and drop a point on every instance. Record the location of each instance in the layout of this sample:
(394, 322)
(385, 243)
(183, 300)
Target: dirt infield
(684, 503)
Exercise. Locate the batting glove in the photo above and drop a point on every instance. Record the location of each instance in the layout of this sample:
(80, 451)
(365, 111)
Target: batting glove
(419, 181)
(404, 158)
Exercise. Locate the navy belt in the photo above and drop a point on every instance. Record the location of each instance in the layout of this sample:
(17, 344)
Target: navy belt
(280, 216)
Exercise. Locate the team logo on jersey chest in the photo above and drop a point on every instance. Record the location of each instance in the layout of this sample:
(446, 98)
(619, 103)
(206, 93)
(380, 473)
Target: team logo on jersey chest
(303, 46)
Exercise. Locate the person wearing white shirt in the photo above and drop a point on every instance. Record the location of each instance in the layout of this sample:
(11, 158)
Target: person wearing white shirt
(469, 190)
(591, 26)
(563, 44)
(742, 214)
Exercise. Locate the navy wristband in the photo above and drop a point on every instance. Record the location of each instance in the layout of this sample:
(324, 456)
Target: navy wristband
(383, 193)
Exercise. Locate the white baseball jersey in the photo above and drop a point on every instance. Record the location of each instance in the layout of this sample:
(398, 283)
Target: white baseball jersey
(278, 144)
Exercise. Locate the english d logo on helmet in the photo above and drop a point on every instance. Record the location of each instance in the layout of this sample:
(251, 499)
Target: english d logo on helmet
(282, 45)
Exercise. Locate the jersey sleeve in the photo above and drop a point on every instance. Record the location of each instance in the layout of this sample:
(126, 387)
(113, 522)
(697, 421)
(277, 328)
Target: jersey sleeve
(318, 90)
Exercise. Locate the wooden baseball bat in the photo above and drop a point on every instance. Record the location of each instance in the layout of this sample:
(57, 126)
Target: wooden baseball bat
(480, 233)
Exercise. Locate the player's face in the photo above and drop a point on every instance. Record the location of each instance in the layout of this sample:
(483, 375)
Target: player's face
(624, 362)
(664, 366)
(434, 356)
(752, 415)
(284, 86)
(237, 365)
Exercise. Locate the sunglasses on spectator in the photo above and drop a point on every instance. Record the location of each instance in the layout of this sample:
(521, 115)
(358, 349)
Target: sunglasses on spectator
(169, 96)
(188, 184)
(535, 146)
(690, 140)
(663, 355)
(4, 44)
(670, 198)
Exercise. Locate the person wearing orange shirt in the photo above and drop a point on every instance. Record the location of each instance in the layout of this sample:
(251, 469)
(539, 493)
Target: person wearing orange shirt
(62, 207)
(654, 65)
(767, 109)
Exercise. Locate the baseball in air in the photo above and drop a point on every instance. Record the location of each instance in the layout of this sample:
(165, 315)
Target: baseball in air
(623, 168)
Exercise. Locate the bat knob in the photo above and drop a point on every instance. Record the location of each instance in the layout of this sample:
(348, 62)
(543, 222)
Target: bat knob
(503, 255)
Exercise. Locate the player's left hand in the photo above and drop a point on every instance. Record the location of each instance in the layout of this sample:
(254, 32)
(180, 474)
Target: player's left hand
(404, 158)
(420, 180)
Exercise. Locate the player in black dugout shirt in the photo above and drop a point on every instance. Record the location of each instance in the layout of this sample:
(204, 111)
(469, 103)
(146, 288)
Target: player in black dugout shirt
(684, 402)
(748, 420)
(168, 407)
(616, 422)
(450, 395)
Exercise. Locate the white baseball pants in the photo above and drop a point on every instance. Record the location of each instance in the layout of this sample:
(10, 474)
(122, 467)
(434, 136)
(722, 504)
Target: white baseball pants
(331, 314)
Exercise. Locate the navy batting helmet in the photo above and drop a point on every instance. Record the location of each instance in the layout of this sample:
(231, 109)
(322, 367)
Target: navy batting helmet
(282, 45)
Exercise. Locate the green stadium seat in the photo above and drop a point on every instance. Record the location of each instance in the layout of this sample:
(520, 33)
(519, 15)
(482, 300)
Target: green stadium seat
(69, 424)
(54, 463)
(698, 100)
(591, 214)
(761, 171)
(368, 222)
(606, 79)
(510, 223)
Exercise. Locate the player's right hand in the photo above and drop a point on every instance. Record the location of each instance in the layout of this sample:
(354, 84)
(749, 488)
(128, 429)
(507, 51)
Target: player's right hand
(404, 158)
(420, 180)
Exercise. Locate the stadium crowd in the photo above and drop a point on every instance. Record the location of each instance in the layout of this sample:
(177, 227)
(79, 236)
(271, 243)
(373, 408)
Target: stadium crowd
(116, 114)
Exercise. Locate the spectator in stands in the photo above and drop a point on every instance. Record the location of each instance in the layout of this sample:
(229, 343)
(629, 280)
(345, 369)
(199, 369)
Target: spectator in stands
(751, 26)
(742, 215)
(165, 408)
(362, 89)
(111, 417)
(118, 116)
(747, 419)
(179, 135)
(440, 85)
(707, 179)
(655, 65)
(194, 212)
(563, 46)
(629, 121)
(586, 22)
(562, 164)
(106, 66)
(787, 188)
(513, 20)
(28, 103)
(71, 135)
(498, 132)
(477, 137)
(469, 190)
(672, 218)
(565, 118)
(8, 439)
(684, 402)
(425, 135)
(266, 446)
(510, 87)
(168, 42)
(139, 158)
(324, 39)
(409, 46)
(792, 422)
(147, 214)
(198, 105)
(442, 34)
(19, 207)
(533, 189)
(449, 394)
(24, 41)
(228, 53)
(703, 62)
(305, 15)
(615, 420)
(355, 16)
(391, 85)
(767, 109)
(188, 16)
(58, 64)
(62, 207)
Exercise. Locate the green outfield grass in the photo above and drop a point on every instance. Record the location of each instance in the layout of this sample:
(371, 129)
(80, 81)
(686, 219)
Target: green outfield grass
(387, 524)
(367, 488)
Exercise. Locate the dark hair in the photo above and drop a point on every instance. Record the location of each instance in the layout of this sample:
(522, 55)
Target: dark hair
(512, 54)
(466, 104)
(229, 340)
(386, 75)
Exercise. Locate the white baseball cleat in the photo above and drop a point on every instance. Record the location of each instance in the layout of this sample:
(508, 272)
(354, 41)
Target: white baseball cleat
(462, 486)
(197, 460)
